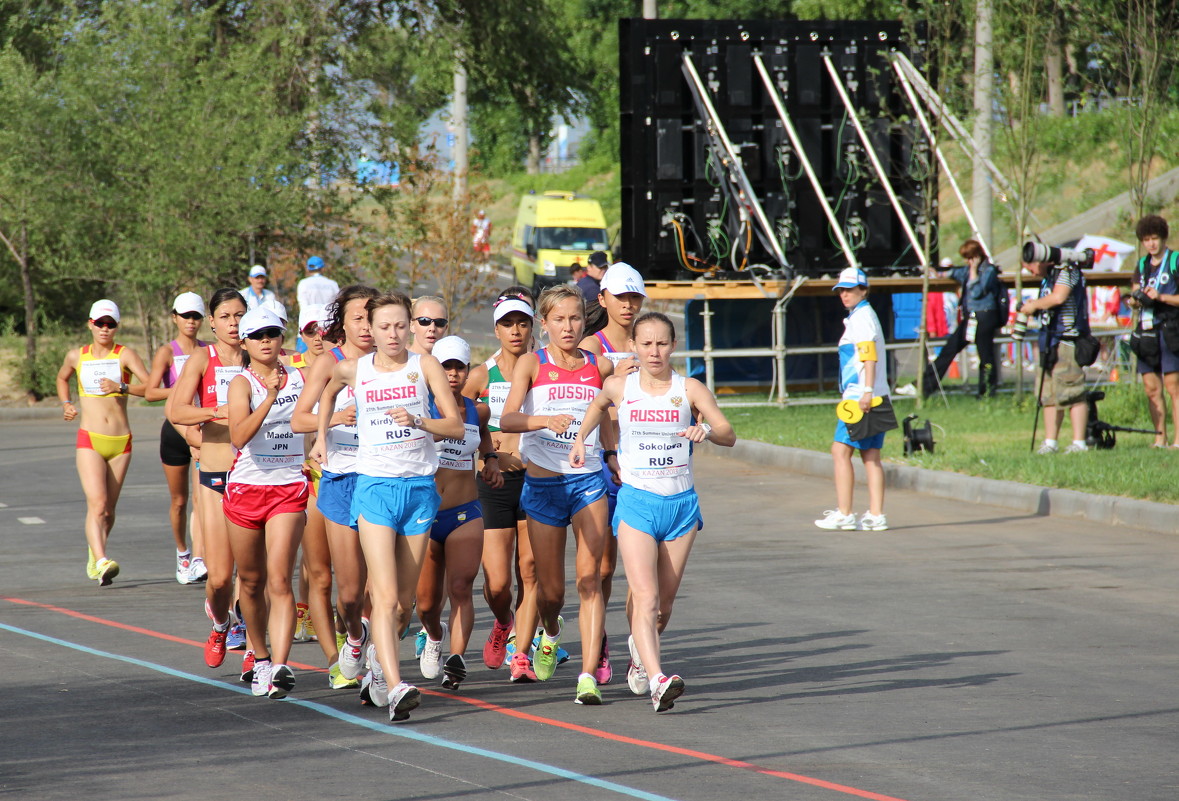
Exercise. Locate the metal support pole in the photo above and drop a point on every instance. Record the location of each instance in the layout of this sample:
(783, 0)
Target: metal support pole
(780, 345)
(709, 377)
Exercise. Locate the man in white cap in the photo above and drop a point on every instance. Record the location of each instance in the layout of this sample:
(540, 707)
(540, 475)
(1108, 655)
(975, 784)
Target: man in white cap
(256, 294)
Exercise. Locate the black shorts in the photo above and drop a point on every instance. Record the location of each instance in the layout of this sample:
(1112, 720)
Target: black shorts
(501, 507)
(213, 480)
(174, 451)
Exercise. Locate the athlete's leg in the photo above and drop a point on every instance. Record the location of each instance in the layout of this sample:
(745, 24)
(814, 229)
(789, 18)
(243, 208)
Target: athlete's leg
(248, 549)
(544, 599)
(640, 557)
(283, 533)
(92, 472)
(317, 567)
(429, 589)
(218, 555)
(348, 561)
(196, 530)
(590, 528)
(499, 546)
(177, 478)
(464, 549)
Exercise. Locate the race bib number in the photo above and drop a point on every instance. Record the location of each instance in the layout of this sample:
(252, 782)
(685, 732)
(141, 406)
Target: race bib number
(91, 373)
(223, 374)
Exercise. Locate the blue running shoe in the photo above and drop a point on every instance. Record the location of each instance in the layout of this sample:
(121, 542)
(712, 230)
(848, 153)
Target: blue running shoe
(236, 641)
(419, 643)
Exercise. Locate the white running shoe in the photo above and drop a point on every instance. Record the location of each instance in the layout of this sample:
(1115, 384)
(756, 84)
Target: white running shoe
(1047, 450)
(1076, 447)
(282, 681)
(197, 571)
(373, 688)
(664, 693)
(430, 661)
(260, 685)
(184, 568)
(871, 522)
(352, 657)
(834, 520)
(636, 674)
(908, 390)
(403, 700)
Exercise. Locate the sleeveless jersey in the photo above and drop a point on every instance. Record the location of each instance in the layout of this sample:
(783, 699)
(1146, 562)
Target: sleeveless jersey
(215, 381)
(560, 391)
(459, 454)
(342, 441)
(615, 356)
(273, 456)
(91, 370)
(495, 394)
(651, 456)
(386, 449)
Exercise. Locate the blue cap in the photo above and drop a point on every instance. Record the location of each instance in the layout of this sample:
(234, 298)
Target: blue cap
(851, 277)
(315, 263)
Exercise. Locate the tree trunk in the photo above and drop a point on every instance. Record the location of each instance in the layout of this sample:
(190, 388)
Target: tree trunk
(1054, 70)
(26, 282)
(533, 167)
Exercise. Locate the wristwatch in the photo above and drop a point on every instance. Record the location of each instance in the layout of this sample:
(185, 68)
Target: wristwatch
(418, 422)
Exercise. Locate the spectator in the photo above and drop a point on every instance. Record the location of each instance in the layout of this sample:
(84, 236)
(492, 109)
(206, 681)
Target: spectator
(1155, 291)
(314, 290)
(256, 294)
(595, 268)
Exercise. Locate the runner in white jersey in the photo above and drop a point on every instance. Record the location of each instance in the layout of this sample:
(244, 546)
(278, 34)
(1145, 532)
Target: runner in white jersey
(660, 414)
(266, 498)
(621, 294)
(395, 500)
(550, 391)
(199, 398)
(346, 324)
(506, 551)
(456, 539)
(176, 452)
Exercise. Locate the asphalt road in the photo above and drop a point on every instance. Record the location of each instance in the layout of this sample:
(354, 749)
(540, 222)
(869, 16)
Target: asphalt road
(968, 653)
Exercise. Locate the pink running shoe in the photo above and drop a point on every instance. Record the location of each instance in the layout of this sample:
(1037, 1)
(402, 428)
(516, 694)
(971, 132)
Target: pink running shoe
(521, 669)
(603, 672)
(496, 647)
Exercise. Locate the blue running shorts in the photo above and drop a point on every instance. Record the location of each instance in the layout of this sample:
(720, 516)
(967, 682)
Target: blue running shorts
(406, 505)
(335, 497)
(450, 519)
(841, 435)
(553, 500)
(664, 517)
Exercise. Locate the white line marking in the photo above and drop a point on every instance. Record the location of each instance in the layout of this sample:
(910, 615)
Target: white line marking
(31, 521)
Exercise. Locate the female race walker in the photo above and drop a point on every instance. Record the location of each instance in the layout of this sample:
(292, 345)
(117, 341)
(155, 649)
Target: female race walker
(199, 398)
(266, 497)
(188, 312)
(456, 540)
(314, 548)
(104, 436)
(395, 501)
(505, 544)
(660, 414)
(621, 296)
(346, 323)
(427, 323)
(861, 376)
(550, 392)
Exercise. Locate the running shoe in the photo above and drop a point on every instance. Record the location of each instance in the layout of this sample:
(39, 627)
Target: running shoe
(665, 691)
(248, 667)
(282, 681)
(107, 569)
(352, 657)
(871, 522)
(510, 650)
(91, 570)
(546, 656)
(302, 623)
(184, 568)
(337, 681)
(587, 691)
(374, 689)
(636, 674)
(453, 672)
(403, 700)
(495, 649)
(340, 638)
(260, 685)
(834, 520)
(521, 669)
(430, 660)
(237, 636)
(215, 647)
(419, 643)
(1047, 449)
(562, 654)
(1076, 447)
(198, 571)
(603, 672)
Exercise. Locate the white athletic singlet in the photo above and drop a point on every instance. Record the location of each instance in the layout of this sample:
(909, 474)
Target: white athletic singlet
(386, 449)
(651, 456)
(495, 394)
(560, 391)
(342, 441)
(273, 456)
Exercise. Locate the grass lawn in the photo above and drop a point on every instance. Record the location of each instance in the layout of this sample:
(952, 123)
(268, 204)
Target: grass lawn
(990, 438)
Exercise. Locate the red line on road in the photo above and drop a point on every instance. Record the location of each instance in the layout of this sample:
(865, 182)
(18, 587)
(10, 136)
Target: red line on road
(490, 707)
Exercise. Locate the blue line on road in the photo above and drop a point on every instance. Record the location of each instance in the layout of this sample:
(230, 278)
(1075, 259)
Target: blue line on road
(383, 728)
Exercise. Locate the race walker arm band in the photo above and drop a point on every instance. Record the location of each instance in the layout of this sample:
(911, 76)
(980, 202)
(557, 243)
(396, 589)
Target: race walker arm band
(866, 351)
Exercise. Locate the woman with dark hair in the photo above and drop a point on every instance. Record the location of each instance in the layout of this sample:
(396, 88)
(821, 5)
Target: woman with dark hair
(982, 310)
(1156, 279)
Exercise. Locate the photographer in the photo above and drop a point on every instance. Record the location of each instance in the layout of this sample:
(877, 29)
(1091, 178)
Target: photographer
(1155, 293)
(983, 309)
(1063, 308)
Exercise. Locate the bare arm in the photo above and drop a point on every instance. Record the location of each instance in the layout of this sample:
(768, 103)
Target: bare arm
(513, 420)
(156, 391)
(707, 411)
(597, 410)
(133, 362)
(450, 423)
(244, 422)
(184, 412)
(68, 367)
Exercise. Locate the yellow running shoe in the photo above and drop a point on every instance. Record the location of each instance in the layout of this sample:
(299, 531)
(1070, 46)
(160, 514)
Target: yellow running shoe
(91, 570)
(544, 662)
(588, 692)
(337, 681)
(107, 569)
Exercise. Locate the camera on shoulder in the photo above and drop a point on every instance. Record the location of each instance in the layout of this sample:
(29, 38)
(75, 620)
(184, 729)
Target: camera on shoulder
(1067, 257)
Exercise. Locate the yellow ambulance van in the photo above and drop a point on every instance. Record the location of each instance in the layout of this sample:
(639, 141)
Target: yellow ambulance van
(553, 231)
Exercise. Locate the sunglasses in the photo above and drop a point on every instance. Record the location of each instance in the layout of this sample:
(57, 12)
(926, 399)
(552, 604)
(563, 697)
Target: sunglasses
(105, 323)
(265, 333)
(192, 315)
(437, 322)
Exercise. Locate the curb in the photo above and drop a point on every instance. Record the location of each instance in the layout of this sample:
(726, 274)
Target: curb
(1026, 498)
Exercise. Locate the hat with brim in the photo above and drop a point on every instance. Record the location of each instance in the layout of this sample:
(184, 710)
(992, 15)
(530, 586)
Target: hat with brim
(621, 279)
(452, 349)
(850, 278)
(312, 313)
(257, 319)
(187, 302)
(509, 306)
(104, 308)
(257, 270)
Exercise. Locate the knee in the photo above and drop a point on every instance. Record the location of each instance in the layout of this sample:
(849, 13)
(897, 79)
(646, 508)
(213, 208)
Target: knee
(589, 586)
(548, 598)
(320, 578)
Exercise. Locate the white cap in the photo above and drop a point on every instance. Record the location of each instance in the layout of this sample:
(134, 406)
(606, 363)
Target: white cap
(946, 263)
(258, 318)
(104, 308)
(276, 306)
(257, 270)
(621, 278)
(851, 277)
(189, 302)
(452, 348)
(508, 306)
(312, 313)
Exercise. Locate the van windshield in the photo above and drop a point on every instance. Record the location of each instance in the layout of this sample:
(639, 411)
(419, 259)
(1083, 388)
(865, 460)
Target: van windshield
(571, 239)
